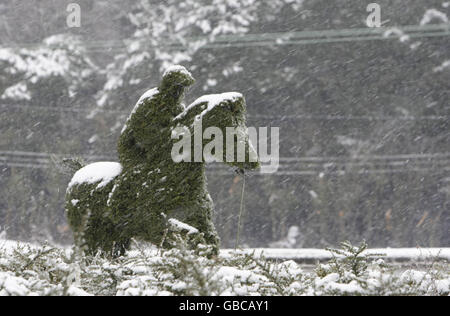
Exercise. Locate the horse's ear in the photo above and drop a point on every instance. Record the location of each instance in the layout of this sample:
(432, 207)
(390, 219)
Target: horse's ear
(238, 104)
(233, 101)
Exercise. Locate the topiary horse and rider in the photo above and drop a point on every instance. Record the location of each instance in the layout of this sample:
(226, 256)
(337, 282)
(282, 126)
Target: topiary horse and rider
(151, 194)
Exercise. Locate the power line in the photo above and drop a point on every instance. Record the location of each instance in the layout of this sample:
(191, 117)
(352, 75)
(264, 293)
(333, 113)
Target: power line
(62, 109)
(320, 166)
(314, 165)
(24, 166)
(284, 159)
(342, 173)
(291, 169)
(318, 41)
(372, 157)
(351, 117)
(49, 155)
(250, 116)
(279, 39)
(282, 173)
(338, 33)
(321, 163)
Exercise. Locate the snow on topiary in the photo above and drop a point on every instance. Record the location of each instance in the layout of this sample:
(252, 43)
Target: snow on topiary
(149, 196)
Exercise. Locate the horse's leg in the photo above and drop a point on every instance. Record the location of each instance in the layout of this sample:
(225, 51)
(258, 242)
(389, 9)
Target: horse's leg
(212, 238)
(87, 216)
(78, 213)
(200, 217)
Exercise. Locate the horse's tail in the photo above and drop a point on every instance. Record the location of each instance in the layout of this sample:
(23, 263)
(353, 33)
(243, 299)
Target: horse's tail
(77, 218)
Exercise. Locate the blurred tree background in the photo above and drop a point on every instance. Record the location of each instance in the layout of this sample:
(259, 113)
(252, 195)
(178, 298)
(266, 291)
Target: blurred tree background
(364, 124)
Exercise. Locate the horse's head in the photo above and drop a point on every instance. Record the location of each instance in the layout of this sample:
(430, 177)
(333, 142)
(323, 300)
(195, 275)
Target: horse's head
(220, 122)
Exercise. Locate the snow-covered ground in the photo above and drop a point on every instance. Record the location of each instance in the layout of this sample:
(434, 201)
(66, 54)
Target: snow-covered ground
(45, 270)
(310, 255)
(314, 255)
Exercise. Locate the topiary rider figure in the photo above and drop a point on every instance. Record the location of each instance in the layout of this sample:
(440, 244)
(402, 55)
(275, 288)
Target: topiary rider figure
(150, 195)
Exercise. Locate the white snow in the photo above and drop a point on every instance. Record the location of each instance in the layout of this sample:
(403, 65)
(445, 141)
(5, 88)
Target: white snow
(408, 254)
(147, 96)
(331, 283)
(103, 172)
(8, 246)
(180, 226)
(443, 286)
(11, 285)
(313, 194)
(445, 65)
(289, 241)
(211, 101)
(229, 274)
(74, 291)
(18, 91)
(412, 254)
(396, 32)
(177, 68)
(142, 272)
(58, 57)
(433, 14)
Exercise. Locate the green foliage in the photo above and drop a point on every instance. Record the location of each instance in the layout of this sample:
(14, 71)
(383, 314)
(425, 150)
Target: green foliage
(351, 258)
(185, 272)
(46, 270)
(353, 271)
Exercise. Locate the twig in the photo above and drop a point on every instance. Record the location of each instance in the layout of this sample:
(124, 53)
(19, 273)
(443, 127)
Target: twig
(241, 211)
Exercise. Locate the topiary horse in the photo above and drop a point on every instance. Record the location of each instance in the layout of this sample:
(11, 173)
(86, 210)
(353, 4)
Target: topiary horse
(150, 195)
